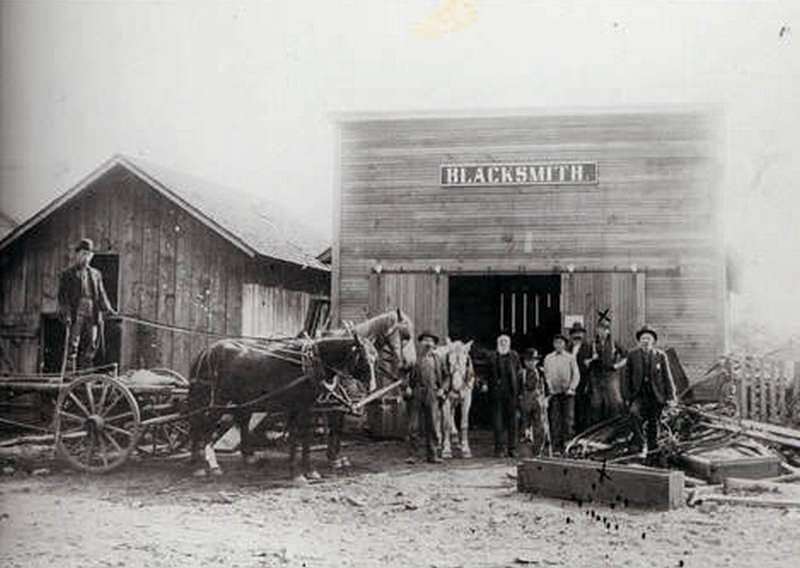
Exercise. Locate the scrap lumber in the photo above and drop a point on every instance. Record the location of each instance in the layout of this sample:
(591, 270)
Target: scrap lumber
(596, 482)
(715, 470)
(753, 501)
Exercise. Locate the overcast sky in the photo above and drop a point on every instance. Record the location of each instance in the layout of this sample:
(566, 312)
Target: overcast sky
(241, 92)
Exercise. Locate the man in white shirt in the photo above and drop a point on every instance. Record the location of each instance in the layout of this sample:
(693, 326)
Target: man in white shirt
(562, 375)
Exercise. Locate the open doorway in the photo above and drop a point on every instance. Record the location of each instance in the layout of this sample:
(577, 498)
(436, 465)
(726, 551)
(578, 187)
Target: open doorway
(52, 337)
(526, 307)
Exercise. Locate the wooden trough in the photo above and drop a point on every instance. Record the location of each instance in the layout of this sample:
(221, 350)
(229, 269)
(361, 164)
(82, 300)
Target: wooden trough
(594, 482)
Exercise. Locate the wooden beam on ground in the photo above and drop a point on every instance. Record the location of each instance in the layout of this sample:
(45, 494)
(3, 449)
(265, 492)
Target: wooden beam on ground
(593, 482)
(715, 470)
(753, 501)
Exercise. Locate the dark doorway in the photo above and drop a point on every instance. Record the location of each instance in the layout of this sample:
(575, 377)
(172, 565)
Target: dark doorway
(53, 331)
(526, 307)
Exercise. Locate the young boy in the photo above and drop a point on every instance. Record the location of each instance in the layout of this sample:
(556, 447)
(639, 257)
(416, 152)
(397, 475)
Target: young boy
(532, 401)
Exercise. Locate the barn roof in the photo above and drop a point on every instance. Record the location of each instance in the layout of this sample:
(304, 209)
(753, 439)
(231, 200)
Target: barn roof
(251, 223)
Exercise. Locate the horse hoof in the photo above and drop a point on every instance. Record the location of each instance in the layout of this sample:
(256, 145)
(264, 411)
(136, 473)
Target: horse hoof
(216, 471)
(199, 473)
(313, 476)
(299, 480)
(447, 455)
(466, 454)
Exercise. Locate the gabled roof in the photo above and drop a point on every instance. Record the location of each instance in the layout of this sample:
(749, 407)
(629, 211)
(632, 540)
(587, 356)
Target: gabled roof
(253, 224)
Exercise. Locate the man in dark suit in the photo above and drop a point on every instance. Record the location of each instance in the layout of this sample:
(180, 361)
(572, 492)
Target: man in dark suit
(82, 300)
(504, 388)
(647, 387)
(581, 350)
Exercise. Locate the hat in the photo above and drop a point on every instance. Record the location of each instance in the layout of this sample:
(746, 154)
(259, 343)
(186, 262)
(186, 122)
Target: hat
(530, 353)
(560, 336)
(577, 327)
(646, 329)
(85, 244)
(425, 334)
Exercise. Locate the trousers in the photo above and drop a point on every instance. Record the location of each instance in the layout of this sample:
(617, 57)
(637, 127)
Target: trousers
(562, 420)
(83, 340)
(504, 414)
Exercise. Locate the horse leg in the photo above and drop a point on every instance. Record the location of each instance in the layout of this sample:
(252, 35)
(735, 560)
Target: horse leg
(447, 421)
(242, 418)
(466, 402)
(307, 429)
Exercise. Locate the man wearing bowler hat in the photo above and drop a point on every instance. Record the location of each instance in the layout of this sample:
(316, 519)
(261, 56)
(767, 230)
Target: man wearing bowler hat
(428, 383)
(647, 387)
(82, 300)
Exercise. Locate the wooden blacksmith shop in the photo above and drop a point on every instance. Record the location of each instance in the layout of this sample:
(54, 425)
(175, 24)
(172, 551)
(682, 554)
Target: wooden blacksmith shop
(201, 261)
(526, 222)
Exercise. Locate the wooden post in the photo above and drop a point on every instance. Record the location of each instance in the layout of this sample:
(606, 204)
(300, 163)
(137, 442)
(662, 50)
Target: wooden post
(762, 390)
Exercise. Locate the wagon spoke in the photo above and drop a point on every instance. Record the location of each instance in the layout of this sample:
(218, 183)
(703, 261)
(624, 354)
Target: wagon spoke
(119, 430)
(103, 451)
(70, 416)
(116, 396)
(79, 404)
(114, 443)
(119, 417)
(90, 396)
(90, 450)
(102, 398)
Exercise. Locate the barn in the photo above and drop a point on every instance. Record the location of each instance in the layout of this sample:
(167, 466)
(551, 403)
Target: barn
(524, 222)
(198, 260)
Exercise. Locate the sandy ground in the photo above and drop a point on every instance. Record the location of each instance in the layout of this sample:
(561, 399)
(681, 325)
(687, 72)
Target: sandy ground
(383, 512)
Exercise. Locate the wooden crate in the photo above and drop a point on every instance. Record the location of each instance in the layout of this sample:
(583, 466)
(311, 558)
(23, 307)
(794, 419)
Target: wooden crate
(387, 419)
(593, 482)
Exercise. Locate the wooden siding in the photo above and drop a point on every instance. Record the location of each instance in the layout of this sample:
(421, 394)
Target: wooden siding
(172, 269)
(268, 311)
(424, 297)
(655, 206)
(623, 294)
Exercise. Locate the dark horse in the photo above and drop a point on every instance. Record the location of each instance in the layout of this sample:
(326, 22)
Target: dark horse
(239, 378)
(234, 377)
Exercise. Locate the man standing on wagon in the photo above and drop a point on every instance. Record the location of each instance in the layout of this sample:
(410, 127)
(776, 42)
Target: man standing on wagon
(82, 300)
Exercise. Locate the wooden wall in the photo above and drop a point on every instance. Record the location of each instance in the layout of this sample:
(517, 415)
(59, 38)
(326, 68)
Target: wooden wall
(172, 269)
(271, 311)
(655, 206)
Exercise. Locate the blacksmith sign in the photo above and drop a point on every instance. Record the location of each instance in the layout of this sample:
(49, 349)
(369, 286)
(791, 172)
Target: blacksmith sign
(551, 173)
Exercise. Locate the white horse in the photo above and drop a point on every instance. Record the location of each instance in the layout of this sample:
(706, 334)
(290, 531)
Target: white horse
(462, 373)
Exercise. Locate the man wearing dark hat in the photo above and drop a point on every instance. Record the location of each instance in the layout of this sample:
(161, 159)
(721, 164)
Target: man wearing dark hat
(82, 300)
(428, 383)
(532, 401)
(608, 357)
(647, 386)
(504, 378)
(562, 375)
(582, 352)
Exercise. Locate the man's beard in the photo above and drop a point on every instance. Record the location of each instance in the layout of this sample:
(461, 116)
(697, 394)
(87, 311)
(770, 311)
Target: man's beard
(503, 350)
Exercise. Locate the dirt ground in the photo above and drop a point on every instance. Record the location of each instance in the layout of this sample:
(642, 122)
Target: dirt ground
(382, 512)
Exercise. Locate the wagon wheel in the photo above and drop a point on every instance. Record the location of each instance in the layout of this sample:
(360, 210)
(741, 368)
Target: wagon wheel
(97, 423)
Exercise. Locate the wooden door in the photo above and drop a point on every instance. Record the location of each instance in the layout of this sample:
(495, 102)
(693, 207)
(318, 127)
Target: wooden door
(623, 294)
(423, 296)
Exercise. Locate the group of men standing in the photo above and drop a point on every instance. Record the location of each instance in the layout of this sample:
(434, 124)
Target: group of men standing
(578, 385)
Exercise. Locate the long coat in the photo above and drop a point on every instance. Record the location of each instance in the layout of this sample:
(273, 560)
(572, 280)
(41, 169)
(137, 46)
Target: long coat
(496, 388)
(69, 293)
(661, 376)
